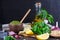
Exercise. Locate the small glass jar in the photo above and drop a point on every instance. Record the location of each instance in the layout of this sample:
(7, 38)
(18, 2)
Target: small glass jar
(3, 34)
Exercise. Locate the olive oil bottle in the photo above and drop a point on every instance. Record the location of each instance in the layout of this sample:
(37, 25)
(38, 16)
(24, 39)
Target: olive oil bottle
(38, 11)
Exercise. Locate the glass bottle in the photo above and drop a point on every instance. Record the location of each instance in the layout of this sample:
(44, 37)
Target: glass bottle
(38, 10)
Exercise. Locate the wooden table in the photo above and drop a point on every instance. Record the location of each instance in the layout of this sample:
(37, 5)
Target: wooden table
(30, 38)
(22, 38)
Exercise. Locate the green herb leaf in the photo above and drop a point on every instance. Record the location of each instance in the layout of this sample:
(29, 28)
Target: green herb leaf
(9, 38)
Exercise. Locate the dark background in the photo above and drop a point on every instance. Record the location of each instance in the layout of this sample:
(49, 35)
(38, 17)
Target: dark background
(15, 9)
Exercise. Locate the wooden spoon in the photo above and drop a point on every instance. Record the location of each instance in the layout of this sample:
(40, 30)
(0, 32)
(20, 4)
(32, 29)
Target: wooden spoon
(25, 15)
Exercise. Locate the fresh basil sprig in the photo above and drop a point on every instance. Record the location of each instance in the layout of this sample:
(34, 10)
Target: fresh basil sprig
(40, 28)
(45, 15)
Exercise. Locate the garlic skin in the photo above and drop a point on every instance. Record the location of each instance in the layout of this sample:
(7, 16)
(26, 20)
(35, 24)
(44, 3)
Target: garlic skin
(46, 21)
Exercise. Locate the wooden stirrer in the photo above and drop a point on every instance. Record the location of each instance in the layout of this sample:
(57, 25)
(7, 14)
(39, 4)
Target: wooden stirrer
(25, 15)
